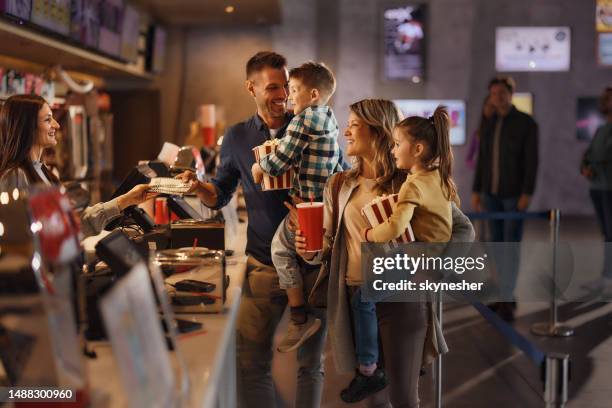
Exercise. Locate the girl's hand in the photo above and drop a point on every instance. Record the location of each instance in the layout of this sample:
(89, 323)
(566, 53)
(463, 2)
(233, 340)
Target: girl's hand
(300, 246)
(364, 234)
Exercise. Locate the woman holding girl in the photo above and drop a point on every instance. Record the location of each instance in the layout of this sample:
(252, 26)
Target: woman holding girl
(409, 332)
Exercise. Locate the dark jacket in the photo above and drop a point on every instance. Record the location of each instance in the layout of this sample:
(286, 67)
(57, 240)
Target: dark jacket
(518, 158)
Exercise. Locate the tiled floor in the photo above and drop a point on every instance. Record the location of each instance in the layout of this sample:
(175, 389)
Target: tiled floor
(483, 370)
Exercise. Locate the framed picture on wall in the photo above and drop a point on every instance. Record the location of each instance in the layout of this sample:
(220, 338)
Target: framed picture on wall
(404, 43)
(588, 117)
(604, 49)
(523, 101)
(426, 107)
(532, 49)
(603, 16)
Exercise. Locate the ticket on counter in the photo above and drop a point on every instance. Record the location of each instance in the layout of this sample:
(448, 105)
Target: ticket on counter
(282, 182)
(380, 209)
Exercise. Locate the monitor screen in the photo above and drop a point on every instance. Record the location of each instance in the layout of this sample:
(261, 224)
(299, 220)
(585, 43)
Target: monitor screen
(426, 107)
(404, 43)
(532, 49)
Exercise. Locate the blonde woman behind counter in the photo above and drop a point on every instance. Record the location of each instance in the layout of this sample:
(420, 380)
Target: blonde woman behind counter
(27, 128)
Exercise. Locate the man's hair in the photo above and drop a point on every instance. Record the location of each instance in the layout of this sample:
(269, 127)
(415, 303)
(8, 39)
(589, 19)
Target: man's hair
(265, 59)
(315, 75)
(506, 81)
(603, 100)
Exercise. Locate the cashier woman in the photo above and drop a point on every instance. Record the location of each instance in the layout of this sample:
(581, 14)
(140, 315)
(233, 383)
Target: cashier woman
(27, 128)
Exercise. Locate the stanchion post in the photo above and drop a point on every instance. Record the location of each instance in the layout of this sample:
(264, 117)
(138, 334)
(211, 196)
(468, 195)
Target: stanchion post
(438, 365)
(556, 380)
(552, 328)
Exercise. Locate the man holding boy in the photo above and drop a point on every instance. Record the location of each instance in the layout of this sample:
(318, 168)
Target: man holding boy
(310, 146)
(263, 302)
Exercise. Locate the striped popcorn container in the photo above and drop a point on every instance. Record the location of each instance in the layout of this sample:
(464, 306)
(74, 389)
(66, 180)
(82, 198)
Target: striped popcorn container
(282, 182)
(379, 210)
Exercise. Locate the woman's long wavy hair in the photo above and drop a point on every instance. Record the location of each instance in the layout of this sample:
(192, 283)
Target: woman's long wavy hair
(381, 116)
(18, 128)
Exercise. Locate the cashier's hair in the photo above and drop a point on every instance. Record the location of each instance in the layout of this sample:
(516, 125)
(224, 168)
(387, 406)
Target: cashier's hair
(265, 59)
(381, 116)
(316, 75)
(434, 133)
(18, 126)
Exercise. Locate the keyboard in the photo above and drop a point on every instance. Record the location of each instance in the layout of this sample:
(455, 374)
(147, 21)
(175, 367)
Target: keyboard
(168, 185)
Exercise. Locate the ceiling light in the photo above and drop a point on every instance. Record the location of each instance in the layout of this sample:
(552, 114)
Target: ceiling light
(229, 9)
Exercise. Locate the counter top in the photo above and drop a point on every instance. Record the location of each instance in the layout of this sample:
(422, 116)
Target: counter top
(209, 353)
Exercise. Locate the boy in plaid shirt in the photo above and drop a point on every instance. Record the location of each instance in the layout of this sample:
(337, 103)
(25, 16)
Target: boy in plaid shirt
(310, 145)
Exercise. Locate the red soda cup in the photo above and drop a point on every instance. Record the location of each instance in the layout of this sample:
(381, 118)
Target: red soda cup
(310, 219)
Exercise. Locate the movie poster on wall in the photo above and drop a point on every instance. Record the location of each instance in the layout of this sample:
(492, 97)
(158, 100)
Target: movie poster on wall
(520, 49)
(588, 117)
(426, 107)
(404, 40)
(604, 49)
(603, 16)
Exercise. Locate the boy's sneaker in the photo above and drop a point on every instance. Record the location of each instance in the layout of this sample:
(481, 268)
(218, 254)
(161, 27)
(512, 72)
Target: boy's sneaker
(362, 386)
(297, 334)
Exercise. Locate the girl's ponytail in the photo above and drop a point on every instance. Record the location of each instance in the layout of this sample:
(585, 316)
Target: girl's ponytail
(442, 150)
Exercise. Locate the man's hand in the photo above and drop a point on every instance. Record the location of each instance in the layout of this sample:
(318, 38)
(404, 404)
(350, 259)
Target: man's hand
(206, 192)
(364, 234)
(190, 177)
(137, 195)
(257, 173)
(300, 246)
(523, 202)
(476, 205)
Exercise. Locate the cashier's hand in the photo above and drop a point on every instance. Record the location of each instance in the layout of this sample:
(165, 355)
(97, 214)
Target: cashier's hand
(300, 246)
(292, 220)
(257, 173)
(137, 195)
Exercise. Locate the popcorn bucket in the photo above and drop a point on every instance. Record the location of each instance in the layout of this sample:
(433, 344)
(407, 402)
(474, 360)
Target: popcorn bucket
(282, 182)
(379, 210)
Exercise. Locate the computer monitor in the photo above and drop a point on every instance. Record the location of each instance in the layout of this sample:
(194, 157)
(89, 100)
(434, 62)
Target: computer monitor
(119, 253)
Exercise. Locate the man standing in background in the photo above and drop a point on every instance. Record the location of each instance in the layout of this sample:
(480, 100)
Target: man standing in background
(505, 178)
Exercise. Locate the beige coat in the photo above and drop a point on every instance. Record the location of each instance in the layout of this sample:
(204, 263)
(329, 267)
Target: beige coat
(338, 313)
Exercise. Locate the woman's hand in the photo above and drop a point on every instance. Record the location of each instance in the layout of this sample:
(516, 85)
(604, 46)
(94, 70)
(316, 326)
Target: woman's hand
(300, 246)
(292, 220)
(137, 195)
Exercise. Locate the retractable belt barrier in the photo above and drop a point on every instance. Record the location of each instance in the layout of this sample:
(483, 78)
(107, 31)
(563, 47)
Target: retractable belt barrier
(555, 367)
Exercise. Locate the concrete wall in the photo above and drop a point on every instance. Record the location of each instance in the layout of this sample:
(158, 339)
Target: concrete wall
(346, 34)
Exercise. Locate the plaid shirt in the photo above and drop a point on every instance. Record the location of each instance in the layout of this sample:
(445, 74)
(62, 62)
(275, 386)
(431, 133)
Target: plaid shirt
(311, 146)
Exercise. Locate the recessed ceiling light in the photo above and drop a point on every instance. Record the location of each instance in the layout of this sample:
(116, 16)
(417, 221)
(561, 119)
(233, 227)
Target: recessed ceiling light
(229, 9)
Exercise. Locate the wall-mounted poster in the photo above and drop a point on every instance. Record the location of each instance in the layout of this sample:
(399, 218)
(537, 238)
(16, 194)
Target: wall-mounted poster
(604, 49)
(404, 31)
(603, 16)
(588, 117)
(523, 101)
(532, 49)
(16, 8)
(156, 49)
(53, 15)
(426, 107)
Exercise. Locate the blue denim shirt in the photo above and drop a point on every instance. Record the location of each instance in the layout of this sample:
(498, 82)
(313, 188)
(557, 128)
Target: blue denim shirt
(265, 209)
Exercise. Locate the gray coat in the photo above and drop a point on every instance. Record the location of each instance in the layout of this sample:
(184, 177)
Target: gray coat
(338, 314)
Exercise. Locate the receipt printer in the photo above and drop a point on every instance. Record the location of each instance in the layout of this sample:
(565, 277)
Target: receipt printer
(209, 234)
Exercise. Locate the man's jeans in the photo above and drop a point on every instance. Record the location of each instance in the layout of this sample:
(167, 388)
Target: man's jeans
(261, 308)
(602, 201)
(505, 231)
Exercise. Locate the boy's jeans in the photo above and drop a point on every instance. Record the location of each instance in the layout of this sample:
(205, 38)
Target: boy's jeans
(284, 257)
(366, 329)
